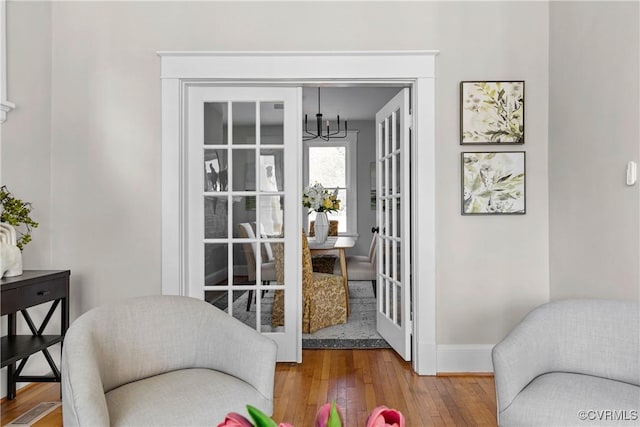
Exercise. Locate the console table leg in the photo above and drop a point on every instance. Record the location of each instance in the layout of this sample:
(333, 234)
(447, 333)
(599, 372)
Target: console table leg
(11, 382)
(11, 369)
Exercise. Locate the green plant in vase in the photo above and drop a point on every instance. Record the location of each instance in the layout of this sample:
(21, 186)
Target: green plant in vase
(17, 213)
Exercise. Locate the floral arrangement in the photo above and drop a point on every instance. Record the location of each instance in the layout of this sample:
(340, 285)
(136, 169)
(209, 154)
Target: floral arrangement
(329, 415)
(317, 198)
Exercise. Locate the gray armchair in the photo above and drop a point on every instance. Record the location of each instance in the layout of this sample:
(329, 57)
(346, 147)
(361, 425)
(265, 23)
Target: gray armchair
(163, 361)
(567, 363)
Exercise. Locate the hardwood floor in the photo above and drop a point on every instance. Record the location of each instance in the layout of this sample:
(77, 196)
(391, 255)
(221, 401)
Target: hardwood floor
(30, 396)
(358, 380)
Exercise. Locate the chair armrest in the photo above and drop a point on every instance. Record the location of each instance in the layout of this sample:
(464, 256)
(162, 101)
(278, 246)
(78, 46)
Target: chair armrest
(525, 353)
(83, 398)
(247, 354)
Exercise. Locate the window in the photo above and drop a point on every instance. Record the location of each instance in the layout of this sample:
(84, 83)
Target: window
(333, 164)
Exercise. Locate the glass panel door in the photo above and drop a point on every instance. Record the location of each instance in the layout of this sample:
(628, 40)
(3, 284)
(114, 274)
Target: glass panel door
(394, 287)
(244, 238)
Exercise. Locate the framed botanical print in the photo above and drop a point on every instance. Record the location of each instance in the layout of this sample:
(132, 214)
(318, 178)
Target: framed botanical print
(492, 112)
(493, 183)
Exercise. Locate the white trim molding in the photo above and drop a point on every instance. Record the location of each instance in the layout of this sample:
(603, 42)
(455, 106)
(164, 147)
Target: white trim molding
(295, 65)
(5, 105)
(423, 225)
(465, 358)
(350, 144)
(415, 69)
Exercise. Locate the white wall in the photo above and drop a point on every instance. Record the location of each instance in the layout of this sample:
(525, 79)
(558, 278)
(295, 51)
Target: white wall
(366, 155)
(593, 133)
(26, 134)
(105, 136)
(25, 139)
(490, 270)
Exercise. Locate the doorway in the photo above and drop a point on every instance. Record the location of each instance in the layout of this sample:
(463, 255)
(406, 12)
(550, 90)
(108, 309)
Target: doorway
(180, 71)
(343, 158)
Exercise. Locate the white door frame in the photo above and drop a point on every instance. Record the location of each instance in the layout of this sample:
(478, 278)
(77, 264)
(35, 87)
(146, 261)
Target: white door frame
(413, 68)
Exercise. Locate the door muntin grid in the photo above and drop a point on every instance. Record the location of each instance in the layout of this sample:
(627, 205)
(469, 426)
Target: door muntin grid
(243, 201)
(390, 239)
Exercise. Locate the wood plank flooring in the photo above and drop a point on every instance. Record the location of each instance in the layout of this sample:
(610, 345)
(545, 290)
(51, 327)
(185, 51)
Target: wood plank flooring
(358, 380)
(30, 396)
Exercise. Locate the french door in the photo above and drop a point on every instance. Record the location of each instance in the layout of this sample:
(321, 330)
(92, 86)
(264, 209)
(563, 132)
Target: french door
(392, 209)
(243, 206)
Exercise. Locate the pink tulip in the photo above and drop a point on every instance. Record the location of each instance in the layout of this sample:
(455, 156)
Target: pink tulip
(385, 417)
(324, 413)
(235, 420)
(285, 425)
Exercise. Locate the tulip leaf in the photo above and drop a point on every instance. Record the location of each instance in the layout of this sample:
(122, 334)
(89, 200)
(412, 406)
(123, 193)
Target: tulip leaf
(260, 418)
(334, 417)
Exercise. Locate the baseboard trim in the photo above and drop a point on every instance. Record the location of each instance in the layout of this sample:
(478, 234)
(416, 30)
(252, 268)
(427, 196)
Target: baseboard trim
(217, 276)
(465, 358)
(464, 374)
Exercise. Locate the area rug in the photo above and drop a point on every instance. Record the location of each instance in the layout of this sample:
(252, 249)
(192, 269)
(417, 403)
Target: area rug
(358, 332)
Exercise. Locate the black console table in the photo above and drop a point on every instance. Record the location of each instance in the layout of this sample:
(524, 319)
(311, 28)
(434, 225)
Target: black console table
(32, 288)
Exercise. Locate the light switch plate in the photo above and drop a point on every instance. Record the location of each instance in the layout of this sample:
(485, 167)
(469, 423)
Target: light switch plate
(632, 173)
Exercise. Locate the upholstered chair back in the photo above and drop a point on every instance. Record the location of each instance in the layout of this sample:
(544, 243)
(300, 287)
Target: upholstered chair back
(373, 252)
(141, 338)
(245, 231)
(146, 336)
(267, 250)
(583, 336)
(307, 266)
(324, 296)
(594, 337)
(307, 278)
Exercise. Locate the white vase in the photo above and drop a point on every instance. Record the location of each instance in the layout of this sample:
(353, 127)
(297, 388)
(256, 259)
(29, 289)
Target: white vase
(10, 254)
(321, 227)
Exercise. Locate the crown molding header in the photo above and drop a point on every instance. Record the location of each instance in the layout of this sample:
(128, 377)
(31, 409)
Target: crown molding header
(277, 65)
(296, 53)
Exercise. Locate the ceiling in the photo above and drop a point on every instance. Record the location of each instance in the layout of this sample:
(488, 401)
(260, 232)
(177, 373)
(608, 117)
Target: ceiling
(352, 103)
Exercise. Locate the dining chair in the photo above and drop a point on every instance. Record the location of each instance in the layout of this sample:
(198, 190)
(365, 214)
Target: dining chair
(363, 267)
(324, 298)
(324, 263)
(267, 269)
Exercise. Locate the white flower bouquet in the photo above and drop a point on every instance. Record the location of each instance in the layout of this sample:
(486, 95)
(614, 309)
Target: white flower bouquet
(318, 199)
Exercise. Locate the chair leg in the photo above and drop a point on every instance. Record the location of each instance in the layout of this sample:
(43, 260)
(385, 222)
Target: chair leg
(373, 284)
(264, 282)
(249, 300)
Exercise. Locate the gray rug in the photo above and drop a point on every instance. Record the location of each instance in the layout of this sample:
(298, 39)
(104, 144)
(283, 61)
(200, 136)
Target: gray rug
(358, 332)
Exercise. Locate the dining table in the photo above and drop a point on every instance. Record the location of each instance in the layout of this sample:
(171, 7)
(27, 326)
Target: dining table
(335, 245)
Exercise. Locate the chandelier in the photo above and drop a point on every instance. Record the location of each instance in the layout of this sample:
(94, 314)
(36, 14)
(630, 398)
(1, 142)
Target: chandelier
(319, 131)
